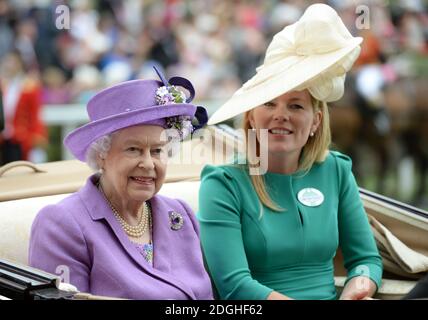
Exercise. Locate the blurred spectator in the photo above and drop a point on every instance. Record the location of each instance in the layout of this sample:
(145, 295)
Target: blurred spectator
(213, 42)
(6, 32)
(86, 82)
(216, 43)
(55, 88)
(24, 134)
(412, 31)
(25, 42)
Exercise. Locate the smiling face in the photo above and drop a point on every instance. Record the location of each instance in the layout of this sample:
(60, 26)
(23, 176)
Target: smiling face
(135, 166)
(289, 119)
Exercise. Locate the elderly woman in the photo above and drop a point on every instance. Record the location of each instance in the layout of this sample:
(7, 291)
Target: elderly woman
(115, 236)
(273, 234)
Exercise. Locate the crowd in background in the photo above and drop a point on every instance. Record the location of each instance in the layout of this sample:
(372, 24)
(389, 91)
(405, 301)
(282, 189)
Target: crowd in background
(217, 44)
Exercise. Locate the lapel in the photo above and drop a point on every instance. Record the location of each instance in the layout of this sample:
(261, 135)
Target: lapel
(163, 236)
(164, 240)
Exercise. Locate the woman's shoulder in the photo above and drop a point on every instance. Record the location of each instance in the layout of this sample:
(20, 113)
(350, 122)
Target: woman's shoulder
(64, 218)
(339, 155)
(342, 161)
(64, 210)
(225, 171)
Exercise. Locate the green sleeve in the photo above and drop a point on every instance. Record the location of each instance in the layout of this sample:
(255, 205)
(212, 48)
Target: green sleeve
(356, 239)
(221, 237)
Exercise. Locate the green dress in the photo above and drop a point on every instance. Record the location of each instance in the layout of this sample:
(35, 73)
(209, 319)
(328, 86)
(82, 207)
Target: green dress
(251, 250)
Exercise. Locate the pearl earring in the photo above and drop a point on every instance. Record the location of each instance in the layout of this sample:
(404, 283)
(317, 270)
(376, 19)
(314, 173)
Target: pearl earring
(312, 134)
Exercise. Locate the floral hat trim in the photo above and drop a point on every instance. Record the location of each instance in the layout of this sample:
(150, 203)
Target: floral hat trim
(168, 94)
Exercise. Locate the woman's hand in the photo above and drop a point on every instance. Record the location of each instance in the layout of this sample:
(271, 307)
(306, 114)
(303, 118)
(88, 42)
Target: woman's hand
(277, 296)
(358, 288)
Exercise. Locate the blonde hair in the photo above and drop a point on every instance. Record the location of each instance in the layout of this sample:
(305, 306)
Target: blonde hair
(315, 150)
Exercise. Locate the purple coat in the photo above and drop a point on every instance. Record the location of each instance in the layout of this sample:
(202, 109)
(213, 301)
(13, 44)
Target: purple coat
(79, 237)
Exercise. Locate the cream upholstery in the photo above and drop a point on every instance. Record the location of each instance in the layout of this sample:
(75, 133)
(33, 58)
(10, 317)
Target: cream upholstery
(16, 217)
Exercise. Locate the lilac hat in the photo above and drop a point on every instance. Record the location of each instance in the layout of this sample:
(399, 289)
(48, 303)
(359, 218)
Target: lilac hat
(137, 102)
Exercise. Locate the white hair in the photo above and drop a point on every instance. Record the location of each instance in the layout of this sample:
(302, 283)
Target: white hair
(98, 149)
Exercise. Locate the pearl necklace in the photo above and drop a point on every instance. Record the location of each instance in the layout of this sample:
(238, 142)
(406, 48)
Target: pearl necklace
(133, 231)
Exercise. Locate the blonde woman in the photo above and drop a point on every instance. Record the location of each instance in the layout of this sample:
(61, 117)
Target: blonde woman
(274, 235)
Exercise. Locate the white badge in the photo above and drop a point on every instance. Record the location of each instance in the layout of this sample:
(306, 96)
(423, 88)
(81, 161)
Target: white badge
(310, 197)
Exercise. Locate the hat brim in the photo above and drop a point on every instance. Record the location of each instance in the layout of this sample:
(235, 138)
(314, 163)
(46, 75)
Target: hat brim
(79, 140)
(302, 71)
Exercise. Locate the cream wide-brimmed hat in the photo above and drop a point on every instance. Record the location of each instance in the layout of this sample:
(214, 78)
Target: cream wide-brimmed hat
(314, 53)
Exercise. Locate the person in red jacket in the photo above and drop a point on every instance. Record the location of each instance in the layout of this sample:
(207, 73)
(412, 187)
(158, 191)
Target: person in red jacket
(23, 129)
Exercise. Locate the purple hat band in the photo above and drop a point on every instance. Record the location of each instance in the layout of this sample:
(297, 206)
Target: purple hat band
(127, 104)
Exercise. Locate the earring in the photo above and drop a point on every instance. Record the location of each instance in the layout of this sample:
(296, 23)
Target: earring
(312, 134)
(102, 158)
